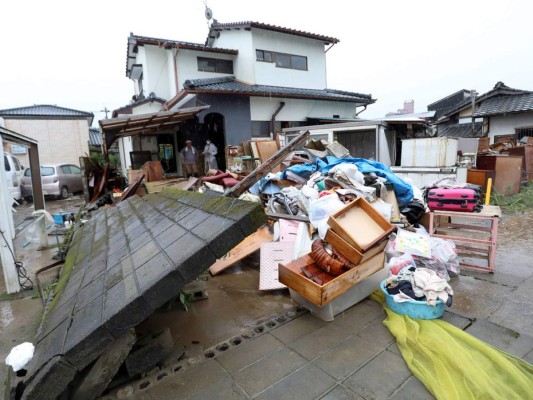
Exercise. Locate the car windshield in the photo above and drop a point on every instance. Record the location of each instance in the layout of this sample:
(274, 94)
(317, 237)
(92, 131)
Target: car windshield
(45, 171)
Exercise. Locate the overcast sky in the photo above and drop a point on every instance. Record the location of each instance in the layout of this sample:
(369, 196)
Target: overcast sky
(73, 54)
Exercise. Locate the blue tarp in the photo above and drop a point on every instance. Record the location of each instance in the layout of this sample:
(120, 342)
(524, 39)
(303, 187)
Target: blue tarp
(403, 191)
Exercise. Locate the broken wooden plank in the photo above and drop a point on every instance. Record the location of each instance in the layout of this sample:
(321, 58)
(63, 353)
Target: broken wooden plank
(179, 183)
(248, 246)
(300, 218)
(266, 167)
(130, 191)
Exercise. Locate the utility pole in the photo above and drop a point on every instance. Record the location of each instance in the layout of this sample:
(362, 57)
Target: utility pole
(473, 95)
(105, 110)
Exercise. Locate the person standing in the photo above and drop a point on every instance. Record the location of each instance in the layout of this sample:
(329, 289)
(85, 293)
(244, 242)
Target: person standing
(210, 151)
(190, 155)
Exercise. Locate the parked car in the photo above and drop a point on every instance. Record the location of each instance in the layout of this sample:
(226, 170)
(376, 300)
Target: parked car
(14, 175)
(58, 180)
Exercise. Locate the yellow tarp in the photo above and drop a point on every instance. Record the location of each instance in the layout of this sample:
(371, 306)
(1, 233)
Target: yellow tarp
(453, 364)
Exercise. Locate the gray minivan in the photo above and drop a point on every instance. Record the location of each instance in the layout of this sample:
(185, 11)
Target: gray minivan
(58, 180)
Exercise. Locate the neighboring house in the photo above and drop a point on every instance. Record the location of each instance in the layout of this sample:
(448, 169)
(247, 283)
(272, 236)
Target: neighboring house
(256, 79)
(502, 111)
(62, 133)
(95, 140)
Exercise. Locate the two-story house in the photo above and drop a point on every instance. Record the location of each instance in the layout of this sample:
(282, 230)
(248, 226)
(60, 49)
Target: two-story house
(256, 79)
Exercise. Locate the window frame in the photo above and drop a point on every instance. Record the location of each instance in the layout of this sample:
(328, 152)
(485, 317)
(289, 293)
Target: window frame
(260, 56)
(218, 64)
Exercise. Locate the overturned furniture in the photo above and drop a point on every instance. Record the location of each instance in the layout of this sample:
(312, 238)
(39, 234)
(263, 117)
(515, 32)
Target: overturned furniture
(122, 265)
(327, 282)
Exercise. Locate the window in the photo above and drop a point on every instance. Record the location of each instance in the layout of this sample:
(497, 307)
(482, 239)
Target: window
(522, 132)
(65, 169)
(263, 55)
(282, 60)
(45, 171)
(17, 164)
(215, 65)
(75, 170)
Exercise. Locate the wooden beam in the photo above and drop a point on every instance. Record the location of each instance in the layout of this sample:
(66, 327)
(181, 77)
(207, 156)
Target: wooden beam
(266, 167)
(300, 218)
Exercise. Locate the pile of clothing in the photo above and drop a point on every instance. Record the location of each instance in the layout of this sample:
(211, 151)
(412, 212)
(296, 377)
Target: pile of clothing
(421, 284)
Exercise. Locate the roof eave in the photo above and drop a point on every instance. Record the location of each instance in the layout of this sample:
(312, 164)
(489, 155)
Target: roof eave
(358, 101)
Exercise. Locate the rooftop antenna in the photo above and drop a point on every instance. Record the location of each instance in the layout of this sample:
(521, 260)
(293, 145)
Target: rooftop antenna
(208, 13)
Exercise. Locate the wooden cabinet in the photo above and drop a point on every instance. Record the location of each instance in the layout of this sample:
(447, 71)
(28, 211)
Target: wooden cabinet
(527, 164)
(480, 177)
(507, 169)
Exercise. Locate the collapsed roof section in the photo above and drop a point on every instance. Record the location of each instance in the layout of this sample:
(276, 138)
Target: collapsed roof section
(121, 266)
(145, 124)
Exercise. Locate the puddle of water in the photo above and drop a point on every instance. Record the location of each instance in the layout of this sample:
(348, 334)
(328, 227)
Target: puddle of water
(6, 314)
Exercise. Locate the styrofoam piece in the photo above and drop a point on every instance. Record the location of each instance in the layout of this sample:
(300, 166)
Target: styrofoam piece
(303, 241)
(272, 254)
(353, 296)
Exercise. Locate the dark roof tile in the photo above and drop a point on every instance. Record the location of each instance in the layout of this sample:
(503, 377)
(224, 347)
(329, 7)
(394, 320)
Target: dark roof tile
(228, 85)
(218, 26)
(505, 104)
(459, 130)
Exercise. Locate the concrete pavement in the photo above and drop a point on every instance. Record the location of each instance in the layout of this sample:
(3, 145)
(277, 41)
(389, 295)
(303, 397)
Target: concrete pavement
(352, 357)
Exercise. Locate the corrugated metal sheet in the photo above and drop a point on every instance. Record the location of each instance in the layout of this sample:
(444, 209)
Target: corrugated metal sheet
(95, 137)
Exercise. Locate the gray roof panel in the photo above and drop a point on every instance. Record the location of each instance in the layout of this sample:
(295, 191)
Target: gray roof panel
(45, 110)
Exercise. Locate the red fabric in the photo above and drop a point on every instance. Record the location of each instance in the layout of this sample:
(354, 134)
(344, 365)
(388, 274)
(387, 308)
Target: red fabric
(215, 178)
(229, 181)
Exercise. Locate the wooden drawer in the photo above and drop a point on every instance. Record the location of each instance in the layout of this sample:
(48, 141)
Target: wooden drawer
(292, 276)
(360, 225)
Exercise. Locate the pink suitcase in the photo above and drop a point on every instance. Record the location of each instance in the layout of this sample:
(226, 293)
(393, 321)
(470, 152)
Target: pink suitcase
(461, 199)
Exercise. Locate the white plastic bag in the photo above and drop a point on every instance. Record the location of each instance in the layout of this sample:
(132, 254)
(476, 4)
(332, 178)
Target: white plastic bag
(384, 209)
(20, 356)
(320, 210)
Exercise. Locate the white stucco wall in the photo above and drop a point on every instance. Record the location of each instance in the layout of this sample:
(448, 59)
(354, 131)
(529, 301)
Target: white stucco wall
(156, 71)
(269, 74)
(506, 124)
(60, 140)
(188, 65)
(240, 40)
(262, 109)
(261, 73)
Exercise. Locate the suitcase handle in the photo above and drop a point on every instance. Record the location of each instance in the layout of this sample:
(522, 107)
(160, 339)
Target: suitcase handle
(463, 195)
